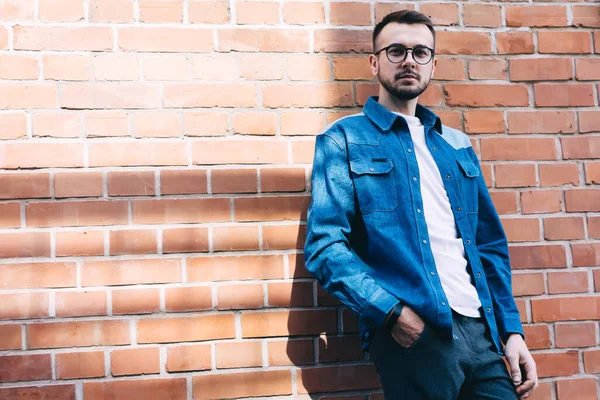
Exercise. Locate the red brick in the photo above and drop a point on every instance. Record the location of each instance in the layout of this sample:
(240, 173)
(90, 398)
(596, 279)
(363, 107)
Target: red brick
(557, 364)
(349, 322)
(484, 15)
(515, 175)
(484, 121)
(78, 184)
(167, 330)
(288, 323)
(528, 284)
(165, 39)
(135, 361)
(335, 349)
(79, 243)
(586, 16)
(586, 254)
(582, 200)
(284, 237)
(284, 294)
(183, 181)
(522, 229)
(210, 95)
(77, 334)
(351, 68)
(263, 40)
(587, 69)
(40, 155)
(291, 352)
(24, 185)
(62, 38)
(138, 153)
(161, 11)
(565, 309)
(593, 227)
(515, 42)
(303, 151)
(563, 95)
(11, 338)
(564, 228)
(541, 122)
(564, 42)
(338, 378)
(194, 298)
(209, 12)
(56, 125)
(235, 238)
(168, 389)
(238, 354)
(185, 240)
(80, 304)
(383, 9)
(271, 208)
(591, 361)
(302, 122)
(486, 95)
(255, 123)
(130, 272)
(558, 174)
(62, 392)
(449, 69)
(131, 183)
(541, 69)
(242, 384)
(234, 181)
(211, 123)
(581, 334)
(133, 241)
(89, 364)
(106, 123)
(305, 95)
(231, 268)
(580, 389)
(541, 201)
(76, 213)
(536, 16)
(301, 12)
(538, 257)
(17, 10)
(567, 282)
(283, 180)
(350, 13)
(342, 41)
(463, 42)
(189, 358)
(254, 151)
(135, 301)
(24, 305)
(25, 244)
(592, 173)
(537, 336)
(581, 147)
(37, 275)
(235, 297)
(518, 149)
(31, 367)
(13, 126)
(504, 202)
(450, 118)
(174, 211)
(440, 13)
(488, 69)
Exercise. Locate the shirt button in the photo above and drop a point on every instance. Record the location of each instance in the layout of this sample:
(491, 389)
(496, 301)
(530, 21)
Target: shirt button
(488, 309)
(409, 150)
(371, 169)
(432, 273)
(419, 210)
(479, 275)
(433, 149)
(458, 209)
(447, 176)
(414, 178)
(424, 241)
(444, 303)
(468, 241)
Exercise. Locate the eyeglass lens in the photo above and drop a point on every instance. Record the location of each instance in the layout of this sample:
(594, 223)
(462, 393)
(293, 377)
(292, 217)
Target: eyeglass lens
(397, 54)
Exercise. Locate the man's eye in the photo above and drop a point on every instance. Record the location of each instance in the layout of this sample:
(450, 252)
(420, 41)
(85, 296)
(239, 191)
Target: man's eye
(396, 51)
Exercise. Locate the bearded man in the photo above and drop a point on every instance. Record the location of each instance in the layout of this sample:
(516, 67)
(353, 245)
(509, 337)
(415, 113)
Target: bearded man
(402, 230)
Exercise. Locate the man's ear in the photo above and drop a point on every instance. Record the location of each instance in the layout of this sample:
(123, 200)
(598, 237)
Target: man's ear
(374, 62)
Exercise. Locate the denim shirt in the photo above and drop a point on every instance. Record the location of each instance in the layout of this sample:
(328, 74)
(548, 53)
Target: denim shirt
(367, 241)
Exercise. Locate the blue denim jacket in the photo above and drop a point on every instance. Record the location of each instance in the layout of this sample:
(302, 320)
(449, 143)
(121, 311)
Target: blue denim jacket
(367, 240)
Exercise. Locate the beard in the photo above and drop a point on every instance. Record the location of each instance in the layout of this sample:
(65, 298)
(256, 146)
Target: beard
(403, 92)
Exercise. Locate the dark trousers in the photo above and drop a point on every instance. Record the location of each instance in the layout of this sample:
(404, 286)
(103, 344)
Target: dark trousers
(440, 368)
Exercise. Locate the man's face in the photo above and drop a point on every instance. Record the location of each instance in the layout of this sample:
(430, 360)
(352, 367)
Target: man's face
(408, 79)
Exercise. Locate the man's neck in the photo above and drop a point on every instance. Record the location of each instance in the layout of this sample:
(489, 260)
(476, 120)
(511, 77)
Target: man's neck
(406, 107)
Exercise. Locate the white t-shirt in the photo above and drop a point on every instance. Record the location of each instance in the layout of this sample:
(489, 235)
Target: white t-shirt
(447, 248)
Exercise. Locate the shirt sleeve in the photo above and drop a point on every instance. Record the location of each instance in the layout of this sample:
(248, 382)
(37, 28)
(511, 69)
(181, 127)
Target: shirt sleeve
(327, 251)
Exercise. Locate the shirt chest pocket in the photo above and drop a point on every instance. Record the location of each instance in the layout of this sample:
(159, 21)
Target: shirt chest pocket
(469, 184)
(375, 185)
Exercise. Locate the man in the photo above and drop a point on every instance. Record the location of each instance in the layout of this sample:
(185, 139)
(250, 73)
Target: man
(401, 229)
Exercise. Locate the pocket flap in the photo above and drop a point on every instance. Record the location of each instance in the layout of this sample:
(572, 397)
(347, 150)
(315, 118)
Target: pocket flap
(468, 168)
(360, 167)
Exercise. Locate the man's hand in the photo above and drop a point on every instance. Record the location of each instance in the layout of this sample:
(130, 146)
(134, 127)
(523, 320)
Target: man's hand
(519, 359)
(408, 327)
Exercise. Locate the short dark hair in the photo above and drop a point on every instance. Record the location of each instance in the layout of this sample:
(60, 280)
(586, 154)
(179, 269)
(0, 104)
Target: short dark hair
(403, 17)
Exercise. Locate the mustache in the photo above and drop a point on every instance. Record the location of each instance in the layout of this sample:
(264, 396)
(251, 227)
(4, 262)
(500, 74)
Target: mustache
(401, 75)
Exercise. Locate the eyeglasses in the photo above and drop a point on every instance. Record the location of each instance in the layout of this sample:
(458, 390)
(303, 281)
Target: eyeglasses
(397, 53)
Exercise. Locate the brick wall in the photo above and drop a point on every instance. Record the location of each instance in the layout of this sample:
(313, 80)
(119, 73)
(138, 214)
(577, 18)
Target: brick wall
(155, 158)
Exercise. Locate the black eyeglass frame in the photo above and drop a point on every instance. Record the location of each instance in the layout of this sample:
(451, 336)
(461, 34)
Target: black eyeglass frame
(406, 49)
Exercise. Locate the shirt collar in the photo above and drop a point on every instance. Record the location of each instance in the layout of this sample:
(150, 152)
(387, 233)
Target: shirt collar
(385, 119)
